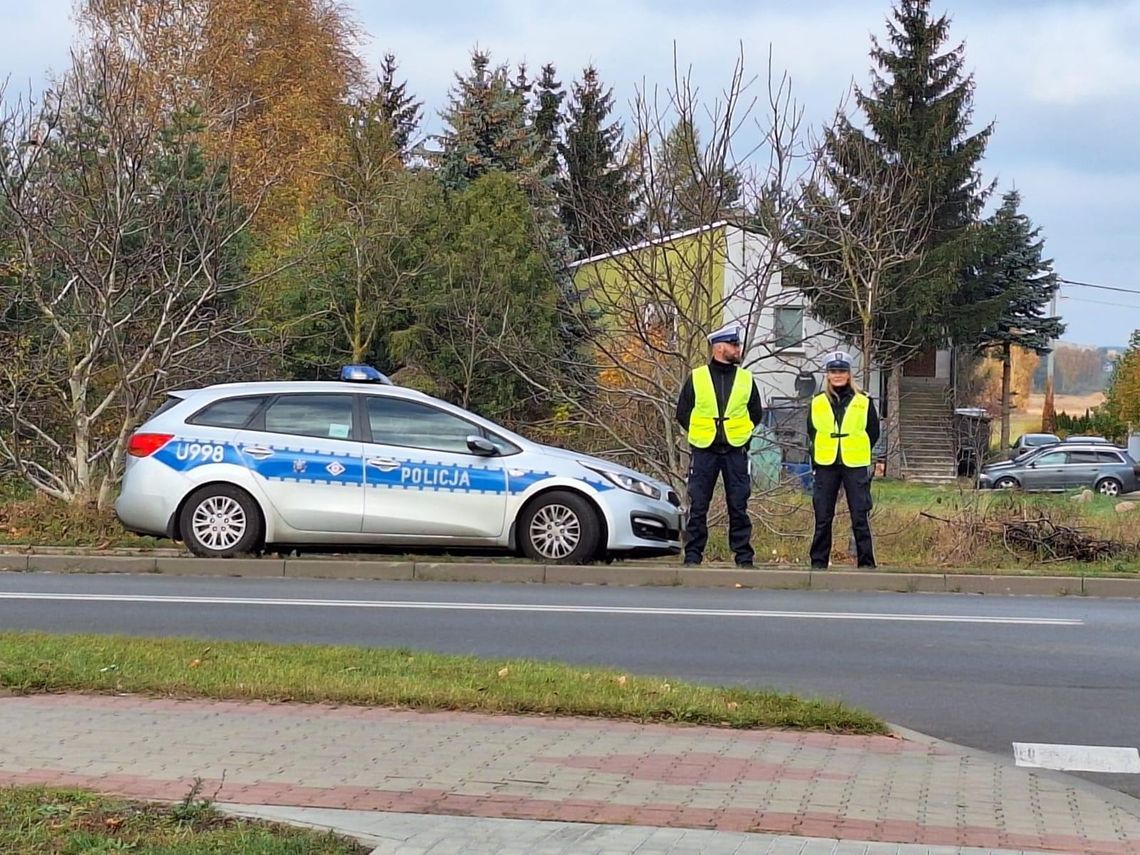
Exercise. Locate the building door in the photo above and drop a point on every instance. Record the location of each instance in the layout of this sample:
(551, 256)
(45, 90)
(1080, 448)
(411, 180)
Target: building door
(923, 364)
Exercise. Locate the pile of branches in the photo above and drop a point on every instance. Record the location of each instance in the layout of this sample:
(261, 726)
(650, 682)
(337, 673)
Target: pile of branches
(1025, 532)
(1047, 540)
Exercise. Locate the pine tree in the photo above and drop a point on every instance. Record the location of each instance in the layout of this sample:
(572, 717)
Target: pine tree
(917, 119)
(918, 112)
(598, 194)
(692, 190)
(400, 110)
(487, 129)
(548, 118)
(1014, 274)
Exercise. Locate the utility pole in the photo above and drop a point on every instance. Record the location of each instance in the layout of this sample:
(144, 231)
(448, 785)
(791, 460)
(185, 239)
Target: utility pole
(1048, 411)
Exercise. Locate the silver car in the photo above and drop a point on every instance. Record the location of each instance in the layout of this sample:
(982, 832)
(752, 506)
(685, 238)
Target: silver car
(235, 468)
(1096, 465)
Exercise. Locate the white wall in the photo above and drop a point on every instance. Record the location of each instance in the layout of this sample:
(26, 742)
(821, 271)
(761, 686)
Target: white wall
(753, 306)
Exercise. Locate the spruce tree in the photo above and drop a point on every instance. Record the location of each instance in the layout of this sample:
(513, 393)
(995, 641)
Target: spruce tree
(548, 118)
(692, 190)
(487, 129)
(918, 113)
(395, 106)
(598, 195)
(1014, 274)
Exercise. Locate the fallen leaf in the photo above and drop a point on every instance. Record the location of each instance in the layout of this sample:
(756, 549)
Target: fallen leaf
(114, 822)
(195, 663)
(665, 687)
(738, 585)
(732, 705)
(504, 672)
(621, 681)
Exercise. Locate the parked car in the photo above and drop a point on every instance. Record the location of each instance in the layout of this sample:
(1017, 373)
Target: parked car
(234, 468)
(1029, 441)
(1066, 466)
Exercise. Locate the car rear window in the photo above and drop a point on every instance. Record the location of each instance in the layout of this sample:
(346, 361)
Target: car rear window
(228, 412)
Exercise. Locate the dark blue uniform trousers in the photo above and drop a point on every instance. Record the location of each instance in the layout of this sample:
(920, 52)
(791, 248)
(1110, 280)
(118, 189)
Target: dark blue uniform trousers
(704, 468)
(856, 482)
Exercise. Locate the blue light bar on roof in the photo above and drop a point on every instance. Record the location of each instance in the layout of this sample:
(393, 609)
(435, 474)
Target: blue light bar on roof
(364, 374)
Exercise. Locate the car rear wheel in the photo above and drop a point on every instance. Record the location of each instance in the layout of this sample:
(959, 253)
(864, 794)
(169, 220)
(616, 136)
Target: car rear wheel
(220, 521)
(559, 528)
(1006, 483)
(1109, 487)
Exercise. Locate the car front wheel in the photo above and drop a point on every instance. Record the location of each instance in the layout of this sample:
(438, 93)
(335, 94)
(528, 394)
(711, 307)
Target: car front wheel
(220, 521)
(559, 528)
(1006, 484)
(1109, 487)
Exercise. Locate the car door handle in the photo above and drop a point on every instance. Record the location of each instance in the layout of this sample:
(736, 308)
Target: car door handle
(384, 464)
(258, 451)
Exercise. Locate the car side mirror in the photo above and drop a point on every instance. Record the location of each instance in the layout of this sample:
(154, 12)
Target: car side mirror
(482, 446)
(1033, 464)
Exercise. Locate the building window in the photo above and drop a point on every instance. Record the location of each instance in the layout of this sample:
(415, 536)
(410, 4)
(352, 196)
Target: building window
(788, 327)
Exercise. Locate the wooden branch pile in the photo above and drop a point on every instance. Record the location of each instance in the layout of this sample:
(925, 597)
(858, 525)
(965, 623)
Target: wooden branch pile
(1047, 540)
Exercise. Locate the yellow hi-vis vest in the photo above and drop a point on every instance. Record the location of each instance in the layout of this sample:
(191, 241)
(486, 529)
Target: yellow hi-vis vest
(851, 436)
(737, 423)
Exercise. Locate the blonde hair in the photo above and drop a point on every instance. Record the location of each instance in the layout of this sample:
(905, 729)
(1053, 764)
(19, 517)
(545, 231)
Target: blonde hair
(830, 390)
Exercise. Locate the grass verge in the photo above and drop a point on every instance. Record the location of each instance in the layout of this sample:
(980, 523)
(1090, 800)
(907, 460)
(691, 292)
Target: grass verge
(37, 821)
(38, 662)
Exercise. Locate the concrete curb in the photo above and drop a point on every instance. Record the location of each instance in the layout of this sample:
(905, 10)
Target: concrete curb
(772, 577)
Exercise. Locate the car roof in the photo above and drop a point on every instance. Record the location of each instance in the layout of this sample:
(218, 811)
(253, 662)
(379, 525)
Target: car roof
(279, 387)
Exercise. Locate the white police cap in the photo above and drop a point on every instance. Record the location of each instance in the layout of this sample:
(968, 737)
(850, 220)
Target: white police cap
(727, 333)
(840, 359)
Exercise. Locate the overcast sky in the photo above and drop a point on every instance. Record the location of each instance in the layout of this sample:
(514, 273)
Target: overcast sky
(1061, 78)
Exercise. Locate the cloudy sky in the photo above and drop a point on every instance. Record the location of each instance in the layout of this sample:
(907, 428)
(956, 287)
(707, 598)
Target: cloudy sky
(1061, 79)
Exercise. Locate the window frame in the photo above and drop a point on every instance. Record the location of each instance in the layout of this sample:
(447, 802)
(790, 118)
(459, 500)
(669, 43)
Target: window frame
(800, 340)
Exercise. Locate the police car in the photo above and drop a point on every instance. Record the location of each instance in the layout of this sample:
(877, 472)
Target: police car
(239, 467)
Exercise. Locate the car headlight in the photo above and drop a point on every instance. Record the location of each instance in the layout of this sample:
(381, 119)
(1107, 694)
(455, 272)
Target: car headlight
(628, 482)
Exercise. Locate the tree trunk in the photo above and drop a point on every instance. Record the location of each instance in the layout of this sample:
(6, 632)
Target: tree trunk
(894, 423)
(868, 343)
(1006, 372)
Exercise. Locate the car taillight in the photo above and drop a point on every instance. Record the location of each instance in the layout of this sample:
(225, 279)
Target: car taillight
(146, 444)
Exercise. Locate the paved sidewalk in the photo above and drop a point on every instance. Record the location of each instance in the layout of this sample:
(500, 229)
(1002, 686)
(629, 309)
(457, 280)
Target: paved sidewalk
(744, 784)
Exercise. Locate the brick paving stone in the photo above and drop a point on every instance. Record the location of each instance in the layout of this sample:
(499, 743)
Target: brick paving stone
(887, 791)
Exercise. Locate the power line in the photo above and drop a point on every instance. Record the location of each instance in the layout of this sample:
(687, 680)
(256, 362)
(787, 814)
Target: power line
(1098, 287)
(1101, 302)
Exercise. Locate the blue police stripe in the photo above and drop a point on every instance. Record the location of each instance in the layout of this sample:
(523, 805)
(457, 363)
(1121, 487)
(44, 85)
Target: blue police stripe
(309, 466)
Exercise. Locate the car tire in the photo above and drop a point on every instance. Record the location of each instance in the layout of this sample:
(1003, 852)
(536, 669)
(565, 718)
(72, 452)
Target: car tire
(559, 527)
(1109, 487)
(1006, 483)
(220, 521)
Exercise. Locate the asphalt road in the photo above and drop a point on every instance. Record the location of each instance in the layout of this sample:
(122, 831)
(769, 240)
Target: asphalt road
(981, 672)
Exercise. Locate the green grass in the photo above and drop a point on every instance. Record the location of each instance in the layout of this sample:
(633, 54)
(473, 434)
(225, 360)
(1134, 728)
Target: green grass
(37, 662)
(37, 821)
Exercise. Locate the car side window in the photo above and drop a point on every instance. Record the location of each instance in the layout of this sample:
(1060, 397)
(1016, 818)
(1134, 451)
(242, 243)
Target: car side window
(1055, 458)
(228, 412)
(1108, 457)
(325, 416)
(1083, 457)
(413, 425)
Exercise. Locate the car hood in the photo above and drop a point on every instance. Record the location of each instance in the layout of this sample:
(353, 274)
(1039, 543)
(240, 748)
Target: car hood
(600, 463)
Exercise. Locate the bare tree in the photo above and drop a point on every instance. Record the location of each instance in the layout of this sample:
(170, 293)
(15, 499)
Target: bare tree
(128, 273)
(859, 250)
(653, 299)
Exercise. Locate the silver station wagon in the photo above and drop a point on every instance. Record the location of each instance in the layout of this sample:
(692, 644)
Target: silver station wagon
(236, 468)
(1066, 466)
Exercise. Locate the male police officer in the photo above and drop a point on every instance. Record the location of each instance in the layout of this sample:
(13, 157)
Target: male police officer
(720, 406)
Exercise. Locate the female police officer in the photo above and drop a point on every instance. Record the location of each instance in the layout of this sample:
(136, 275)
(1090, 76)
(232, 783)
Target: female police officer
(843, 427)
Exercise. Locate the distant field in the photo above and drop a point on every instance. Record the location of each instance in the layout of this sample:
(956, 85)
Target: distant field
(1074, 405)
